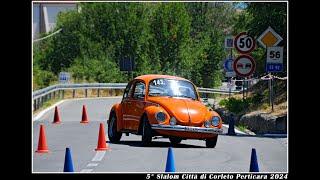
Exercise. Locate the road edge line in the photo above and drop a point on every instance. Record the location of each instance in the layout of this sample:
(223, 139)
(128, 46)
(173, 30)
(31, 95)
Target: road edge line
(40, 114)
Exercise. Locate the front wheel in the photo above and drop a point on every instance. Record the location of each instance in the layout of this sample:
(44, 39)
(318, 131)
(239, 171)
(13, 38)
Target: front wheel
(212, 142)
(146, 132)
(113, 134)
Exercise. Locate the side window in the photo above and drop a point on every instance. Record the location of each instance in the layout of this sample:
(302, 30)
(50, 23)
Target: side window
(139, 90)
(127, 91)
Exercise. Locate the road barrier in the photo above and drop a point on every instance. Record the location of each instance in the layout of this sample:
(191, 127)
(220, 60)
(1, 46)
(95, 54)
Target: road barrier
(102, 145)
(254, 167)
(56, 117)
(42, 95)
(170, 167)
(42, 143)
(231, 131)
(84, 118)
(68, 165)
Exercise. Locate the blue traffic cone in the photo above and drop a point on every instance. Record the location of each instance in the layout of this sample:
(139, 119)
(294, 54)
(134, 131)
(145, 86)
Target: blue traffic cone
(68, 166)
(254, 167)
(170, 161)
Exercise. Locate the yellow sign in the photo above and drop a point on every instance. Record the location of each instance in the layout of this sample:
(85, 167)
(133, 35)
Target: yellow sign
(269, 38)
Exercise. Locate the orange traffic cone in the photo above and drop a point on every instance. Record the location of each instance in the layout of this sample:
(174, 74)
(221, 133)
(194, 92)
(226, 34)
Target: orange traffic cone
(56, 118)
(102, 145)
(84, 115)
(42, 144)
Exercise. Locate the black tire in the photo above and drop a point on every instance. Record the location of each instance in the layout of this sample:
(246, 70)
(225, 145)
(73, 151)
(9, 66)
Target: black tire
(175, 140)
(113, 135)
(146, 132)
(211, 143)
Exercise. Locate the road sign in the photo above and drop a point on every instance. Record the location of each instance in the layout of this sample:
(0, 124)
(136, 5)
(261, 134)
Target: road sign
(274, 67)
(275, 54)
(126, 64)
(244, 43)
(228, 64)
(274, 61)
(231, 74)
(228, 42)
(244, 65)
(269, 38)
(64, 77)
(228, 67)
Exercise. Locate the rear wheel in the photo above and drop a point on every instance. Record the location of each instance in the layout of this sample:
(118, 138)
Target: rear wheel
(211, 143)
(146, 132)
(113, 134)
(175, 140)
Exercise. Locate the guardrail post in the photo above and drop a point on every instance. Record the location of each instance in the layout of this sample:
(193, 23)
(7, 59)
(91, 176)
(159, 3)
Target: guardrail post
(41, 101)
(34, 105)
(73, 93)
(62, 94)
(110, 92)
(54, 94)
(98, 92)
(86, 92)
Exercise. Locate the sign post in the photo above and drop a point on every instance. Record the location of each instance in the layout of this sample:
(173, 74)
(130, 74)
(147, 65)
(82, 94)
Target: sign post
(244, 44)
(274, 63)
(228, 63)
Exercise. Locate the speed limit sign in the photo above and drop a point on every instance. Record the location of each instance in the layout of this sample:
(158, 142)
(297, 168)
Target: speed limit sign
(244, 43)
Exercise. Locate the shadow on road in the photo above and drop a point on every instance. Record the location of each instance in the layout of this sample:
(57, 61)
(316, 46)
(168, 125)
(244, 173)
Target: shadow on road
(157, 144)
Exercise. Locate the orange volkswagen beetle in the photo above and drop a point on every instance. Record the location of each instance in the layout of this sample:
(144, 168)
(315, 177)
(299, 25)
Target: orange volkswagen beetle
(162, 105)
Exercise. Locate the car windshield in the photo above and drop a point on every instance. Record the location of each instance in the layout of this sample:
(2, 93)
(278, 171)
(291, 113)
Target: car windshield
(172, 88)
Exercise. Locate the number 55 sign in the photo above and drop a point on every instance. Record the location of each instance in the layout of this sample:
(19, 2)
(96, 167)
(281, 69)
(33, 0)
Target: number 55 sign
(274, 59)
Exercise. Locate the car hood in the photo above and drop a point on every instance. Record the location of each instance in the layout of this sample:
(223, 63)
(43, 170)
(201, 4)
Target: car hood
(185, 110)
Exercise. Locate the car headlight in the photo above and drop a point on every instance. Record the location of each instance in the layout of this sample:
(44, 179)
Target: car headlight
(215, 121)
(207, 124)
(173, 121)
(160, 116)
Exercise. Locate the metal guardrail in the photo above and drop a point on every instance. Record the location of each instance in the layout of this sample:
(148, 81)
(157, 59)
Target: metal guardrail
(42, 95)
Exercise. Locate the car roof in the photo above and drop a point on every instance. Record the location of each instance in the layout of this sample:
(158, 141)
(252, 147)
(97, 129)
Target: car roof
(149, 77)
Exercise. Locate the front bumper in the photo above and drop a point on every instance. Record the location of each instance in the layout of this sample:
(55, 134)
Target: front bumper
(187, 128)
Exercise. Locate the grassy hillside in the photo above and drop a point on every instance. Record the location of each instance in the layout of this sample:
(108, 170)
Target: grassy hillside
(258, 99)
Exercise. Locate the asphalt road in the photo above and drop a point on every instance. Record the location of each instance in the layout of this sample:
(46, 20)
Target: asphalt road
(232, 153)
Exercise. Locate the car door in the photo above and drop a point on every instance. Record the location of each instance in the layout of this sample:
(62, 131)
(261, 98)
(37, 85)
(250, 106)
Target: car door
(135, 106)
(126, 103)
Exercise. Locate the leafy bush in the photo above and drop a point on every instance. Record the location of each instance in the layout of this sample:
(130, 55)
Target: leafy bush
(236, 105)
(257, 98)
(42, 78)
(223, 102)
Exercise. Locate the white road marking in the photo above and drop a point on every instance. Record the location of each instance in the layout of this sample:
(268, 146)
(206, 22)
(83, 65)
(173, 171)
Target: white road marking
(43, 112)
(86, 170)
(92, 164)
(99, 155)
